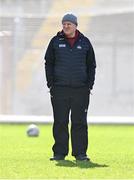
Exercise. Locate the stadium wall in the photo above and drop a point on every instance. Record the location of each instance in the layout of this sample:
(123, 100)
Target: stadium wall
(49, 119)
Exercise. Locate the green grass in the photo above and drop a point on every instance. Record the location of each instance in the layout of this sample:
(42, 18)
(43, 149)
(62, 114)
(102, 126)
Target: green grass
(111, 149)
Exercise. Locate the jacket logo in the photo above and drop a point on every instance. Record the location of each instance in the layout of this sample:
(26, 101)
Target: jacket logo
(61, 39)
(62, 45)
(79, 47)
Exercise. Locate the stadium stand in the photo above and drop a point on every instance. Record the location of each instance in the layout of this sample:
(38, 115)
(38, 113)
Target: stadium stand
(25, 30)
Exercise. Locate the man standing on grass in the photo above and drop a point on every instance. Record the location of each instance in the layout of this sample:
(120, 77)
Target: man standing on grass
(70, 72)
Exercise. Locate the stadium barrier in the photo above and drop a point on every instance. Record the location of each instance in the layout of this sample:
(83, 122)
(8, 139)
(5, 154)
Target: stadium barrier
(49, 119)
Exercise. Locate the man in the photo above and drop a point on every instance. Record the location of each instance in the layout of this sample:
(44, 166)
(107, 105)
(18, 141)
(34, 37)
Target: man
(70, 72)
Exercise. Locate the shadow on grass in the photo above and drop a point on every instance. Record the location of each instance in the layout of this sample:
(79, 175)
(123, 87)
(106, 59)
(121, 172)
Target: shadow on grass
(84, 164)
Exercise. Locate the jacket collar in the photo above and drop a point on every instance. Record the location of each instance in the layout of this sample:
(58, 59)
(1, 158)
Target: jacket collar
(61, 34)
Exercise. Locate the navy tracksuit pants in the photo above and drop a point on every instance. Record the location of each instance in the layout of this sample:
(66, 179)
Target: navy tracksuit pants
(70, 101)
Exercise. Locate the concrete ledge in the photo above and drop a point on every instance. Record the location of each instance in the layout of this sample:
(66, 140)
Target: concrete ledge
(49, 119)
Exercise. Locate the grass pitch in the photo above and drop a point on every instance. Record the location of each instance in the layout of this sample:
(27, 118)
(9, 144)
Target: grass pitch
(111, 149)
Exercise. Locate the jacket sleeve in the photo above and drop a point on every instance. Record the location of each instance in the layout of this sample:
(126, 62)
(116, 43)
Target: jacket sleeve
(49, 64)
(91, 66)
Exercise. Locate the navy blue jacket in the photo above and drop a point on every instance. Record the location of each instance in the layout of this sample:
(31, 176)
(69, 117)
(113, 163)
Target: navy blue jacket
(70, 66)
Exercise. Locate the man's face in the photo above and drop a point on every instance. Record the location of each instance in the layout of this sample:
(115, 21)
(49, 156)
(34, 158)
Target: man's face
(69, 28)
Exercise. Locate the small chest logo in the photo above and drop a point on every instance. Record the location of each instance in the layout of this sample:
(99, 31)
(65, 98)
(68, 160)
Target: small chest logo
(62, 45)
(79, 47)
(61, 39)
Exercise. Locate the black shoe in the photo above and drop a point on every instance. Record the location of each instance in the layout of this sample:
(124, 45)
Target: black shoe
(82, 158)
(57, 158)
